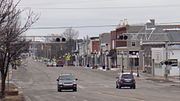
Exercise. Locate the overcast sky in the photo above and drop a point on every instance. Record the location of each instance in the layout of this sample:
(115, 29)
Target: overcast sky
(67, 13)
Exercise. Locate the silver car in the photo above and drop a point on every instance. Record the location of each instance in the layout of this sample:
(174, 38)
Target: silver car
(66, 81)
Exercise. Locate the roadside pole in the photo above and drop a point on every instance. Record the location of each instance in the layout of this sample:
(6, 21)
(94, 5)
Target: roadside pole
(132, 66)
(122, 63)
(179, 73)
(143, 62)
(137, 54)
(153, 68)
(166, 68)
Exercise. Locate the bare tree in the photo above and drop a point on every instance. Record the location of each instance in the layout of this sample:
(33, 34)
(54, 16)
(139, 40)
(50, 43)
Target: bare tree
(70, 34)
(11, 44)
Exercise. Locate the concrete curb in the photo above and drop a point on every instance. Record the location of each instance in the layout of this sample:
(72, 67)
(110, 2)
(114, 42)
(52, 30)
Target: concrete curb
(159, 79)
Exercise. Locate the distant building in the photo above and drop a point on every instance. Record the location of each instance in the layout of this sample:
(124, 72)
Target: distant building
(132, 44)
(150, 37)
(105, 46)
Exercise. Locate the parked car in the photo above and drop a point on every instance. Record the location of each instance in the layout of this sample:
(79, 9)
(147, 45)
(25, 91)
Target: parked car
(59, 63)
(66, 81)
(49, 64)
(54, 64)
(126, 80)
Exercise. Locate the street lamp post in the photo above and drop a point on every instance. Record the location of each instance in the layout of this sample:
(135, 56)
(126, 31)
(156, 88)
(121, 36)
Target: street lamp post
(137, 66)
(132, 65)
(179, 71)
(166, 68)
(94, 63)
(122, 62)
(143, 61)
(93, 60)
(137, 71)
(107, 60)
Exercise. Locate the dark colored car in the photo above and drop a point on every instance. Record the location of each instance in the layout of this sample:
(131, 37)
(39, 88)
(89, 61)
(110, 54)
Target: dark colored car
(66, 81)
(126, 80)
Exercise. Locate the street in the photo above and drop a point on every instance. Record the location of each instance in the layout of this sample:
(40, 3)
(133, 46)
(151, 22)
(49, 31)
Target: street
(38, 83)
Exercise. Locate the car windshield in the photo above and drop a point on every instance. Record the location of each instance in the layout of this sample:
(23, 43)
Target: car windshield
(127, 76)
(66, 77)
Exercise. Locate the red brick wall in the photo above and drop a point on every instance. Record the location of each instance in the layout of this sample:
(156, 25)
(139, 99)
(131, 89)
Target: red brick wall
(113, 37)
(121, 30)
(95, 46)
(115, 34)
(121, 43)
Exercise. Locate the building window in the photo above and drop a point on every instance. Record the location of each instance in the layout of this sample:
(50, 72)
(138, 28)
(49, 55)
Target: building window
(118, 52)
(133, 43)
(125, 53)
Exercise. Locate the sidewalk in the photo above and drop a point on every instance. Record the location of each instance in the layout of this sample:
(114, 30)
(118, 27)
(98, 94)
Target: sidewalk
(145, 76)
(111, 69)
(171, 79)
(12, 93)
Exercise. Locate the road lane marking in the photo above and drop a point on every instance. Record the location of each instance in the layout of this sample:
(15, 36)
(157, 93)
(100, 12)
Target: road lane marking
(119, 96)
(176, 91)
(82, 87)
(106, 86)
(74, 97)
(27, 98)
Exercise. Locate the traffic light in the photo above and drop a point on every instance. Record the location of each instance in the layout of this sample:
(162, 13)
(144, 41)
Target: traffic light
(63, 39)
(123, 37)
(167, 62)
(60, 39)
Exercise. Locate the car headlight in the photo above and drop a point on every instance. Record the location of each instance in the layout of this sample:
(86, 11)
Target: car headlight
(60, 83)
(74, 83)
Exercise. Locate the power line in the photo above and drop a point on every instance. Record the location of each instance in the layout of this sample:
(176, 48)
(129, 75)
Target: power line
(89, 26)
(67, 2)
(171, 23)
(59, 27)
(85, 8)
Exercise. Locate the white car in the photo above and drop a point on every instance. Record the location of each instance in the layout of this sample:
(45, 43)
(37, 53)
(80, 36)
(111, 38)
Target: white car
(54, 64)
(49, 64)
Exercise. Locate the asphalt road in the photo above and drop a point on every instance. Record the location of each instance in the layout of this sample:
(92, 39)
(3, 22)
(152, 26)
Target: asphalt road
(38, 83)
